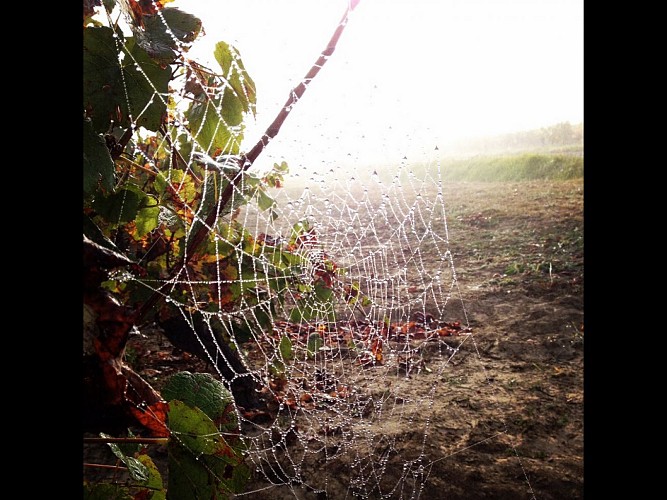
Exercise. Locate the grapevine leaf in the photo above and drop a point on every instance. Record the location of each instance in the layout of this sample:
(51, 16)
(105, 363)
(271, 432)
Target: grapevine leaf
(147, 81)
(160, 183)
(102, 85)
(199, 390)
(204, 476)
(98, 167)
(184, 26)
(201, 463)
(138, 9)
(163, 36)
(234, 72)
(210, 121)
(216, 122)
(118, 207)
(193, 429)
(282, 169)
(183, 184)
(264, 201)
(121, 92)
(300, 231)
(146, 220)
(292, 259)
(184, 145)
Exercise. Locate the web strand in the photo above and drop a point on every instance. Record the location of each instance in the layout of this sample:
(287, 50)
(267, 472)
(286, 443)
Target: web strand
(344, 368)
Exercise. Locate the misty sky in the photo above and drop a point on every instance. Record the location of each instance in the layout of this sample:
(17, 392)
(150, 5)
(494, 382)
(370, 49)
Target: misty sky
(407, 76)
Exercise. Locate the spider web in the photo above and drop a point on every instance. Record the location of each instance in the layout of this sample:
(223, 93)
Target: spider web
(352, 378)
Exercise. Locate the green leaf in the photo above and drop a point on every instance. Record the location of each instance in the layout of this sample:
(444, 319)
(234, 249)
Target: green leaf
(279, 285)
(154, 481)
(314, 343)
(204, 477)
(195, 430)
(235, 73)
(302, 227)
(215, 121)
(273, 215)
(276, 176)
(201, 462)
(285, 347)
(211, 120)
(184, 184)
(283, 168)
(160, 183)
(102, 85)
(161, 41)
(98, 167)
(299, 314)
(184, 145)
(147, 87)
(274, 257)
(137, 470)
(121, 92)
(264, 201)
(277, 367)
(199, 390)
(306, 310)
(293, 259)
(118, 207)
(323, 292)
(146, 220)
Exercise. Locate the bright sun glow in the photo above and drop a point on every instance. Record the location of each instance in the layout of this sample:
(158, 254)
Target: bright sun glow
(408, 75)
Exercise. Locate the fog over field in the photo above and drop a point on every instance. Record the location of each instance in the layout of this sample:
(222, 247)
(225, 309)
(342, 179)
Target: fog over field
(407, 76)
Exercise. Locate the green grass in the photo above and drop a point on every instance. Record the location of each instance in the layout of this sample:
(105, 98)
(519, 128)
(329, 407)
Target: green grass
(521, 167)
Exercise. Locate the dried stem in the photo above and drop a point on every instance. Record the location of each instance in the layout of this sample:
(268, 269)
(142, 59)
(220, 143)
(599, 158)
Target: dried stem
(104, 466)
(139, 440)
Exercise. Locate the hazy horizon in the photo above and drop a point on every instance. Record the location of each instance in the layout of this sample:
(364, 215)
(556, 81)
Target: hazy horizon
(407, 76)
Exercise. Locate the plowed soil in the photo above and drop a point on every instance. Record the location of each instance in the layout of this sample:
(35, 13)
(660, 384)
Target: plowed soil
(506, 420)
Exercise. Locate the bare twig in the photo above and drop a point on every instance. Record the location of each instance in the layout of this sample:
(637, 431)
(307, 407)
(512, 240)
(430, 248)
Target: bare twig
(299, 90)
(138, 440)
(271, 132)
(105, 466)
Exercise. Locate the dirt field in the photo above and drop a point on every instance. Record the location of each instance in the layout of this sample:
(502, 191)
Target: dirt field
(519, 255)
(505, 419)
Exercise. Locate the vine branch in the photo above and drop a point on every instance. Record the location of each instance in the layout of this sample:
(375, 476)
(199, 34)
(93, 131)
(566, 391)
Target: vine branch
(248, 159)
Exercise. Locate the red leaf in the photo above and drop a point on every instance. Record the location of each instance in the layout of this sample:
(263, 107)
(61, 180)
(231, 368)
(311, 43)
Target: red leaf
(376, 349)
(141, 8)
(153, 418)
